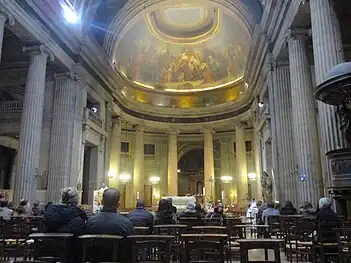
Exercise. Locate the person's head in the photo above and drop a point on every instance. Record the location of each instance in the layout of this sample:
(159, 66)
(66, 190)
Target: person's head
(259, 203)
(220, 208)
(23, 202)
(110, 199)
(3, 202)
(288, 204)
(70, 196)
(270, 205)
(324, 203)
(163, 205)
(140, 203)
(170, 201)
(190, 206)
(36, 204)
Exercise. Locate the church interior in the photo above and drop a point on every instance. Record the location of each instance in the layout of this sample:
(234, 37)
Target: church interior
(236, 105)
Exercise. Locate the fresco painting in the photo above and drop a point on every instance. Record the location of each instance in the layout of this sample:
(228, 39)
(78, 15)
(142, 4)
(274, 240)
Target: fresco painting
(144, 58)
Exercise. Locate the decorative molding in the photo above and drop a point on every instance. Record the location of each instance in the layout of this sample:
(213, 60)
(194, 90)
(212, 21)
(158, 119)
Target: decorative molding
(71, 75)
(298, 34)
(39, 50)
(172, 131)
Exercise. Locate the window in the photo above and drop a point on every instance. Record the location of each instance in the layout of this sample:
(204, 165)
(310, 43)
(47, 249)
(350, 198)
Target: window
(124, 147)
(149, 149)
(248, 146)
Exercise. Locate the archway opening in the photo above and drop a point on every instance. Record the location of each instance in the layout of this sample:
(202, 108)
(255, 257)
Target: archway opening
(191, 173)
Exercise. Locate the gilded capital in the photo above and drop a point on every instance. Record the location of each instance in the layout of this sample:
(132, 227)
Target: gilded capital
(38, 50)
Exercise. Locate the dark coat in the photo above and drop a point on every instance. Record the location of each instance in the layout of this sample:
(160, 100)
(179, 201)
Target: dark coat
(141, 217)
(326, 221)
(288, 210)
(65, 219)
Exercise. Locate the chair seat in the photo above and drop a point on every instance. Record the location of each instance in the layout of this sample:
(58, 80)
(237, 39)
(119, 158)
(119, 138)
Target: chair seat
(234, 244)
(305, 243)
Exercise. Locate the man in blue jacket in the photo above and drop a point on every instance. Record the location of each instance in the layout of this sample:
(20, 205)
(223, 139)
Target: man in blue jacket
(140, 216)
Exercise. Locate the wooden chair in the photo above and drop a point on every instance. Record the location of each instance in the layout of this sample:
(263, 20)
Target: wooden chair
(203, 248)
(326, 248)
(100, 248)
(210, 229)
(52, 247)
(34, 224)
(345, 245)
(142, 230)
(151, 248)
(13, 239)
(274, 226)
(190, 222)
(172, 230)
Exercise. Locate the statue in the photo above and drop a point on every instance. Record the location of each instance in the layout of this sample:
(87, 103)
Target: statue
(267, 187)
(345, 115)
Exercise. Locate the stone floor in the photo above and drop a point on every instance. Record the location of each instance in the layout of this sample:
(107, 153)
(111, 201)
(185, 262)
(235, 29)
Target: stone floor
(258, 255)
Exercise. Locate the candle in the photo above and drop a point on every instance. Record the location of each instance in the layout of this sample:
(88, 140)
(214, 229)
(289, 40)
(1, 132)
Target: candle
(138, 195)
(222, 194)
(203, 190)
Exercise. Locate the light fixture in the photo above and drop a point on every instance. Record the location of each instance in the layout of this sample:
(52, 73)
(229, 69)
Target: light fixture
(124, 177)
(69, 14)
(226, 178)
(93, 109)
(178, 171)
(251, 176)
(260, 104)
(154, 179)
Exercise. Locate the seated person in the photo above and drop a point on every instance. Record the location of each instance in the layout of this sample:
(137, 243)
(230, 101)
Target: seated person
(140, 216)
(270, 211)
(66, 217)
(164, 215)
(110, 222)
(24, 209)
(307, 210)
(36, 211)
(288, 209)
(216, 214)
(5, 212)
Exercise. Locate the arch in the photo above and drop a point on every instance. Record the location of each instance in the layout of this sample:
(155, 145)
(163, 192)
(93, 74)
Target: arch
(187, 147)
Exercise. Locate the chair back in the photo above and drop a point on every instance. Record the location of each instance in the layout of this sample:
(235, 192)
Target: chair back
(203, 248)
(210, 229)
(52, 246)
(274, 224)
(14, 228)
(190, 222)
(100, 248)
(151, 248)
(142, 230)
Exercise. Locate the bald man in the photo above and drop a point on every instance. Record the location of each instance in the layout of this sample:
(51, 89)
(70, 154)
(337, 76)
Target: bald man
(109, 221)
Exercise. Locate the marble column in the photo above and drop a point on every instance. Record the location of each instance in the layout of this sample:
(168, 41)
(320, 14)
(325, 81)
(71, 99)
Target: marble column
(115, 153)
(66, 135)
(138, 176)
(328, 51)
(4, 17)
(258, 170)
(209, 179)
(241, 165)
(304, 119)
(281, 115)
(172, 178)
(31, 123)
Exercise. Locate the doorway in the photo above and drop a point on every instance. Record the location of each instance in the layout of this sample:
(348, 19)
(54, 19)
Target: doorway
(7, 159)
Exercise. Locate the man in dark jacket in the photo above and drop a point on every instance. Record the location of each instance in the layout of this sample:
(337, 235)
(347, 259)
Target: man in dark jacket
(288, 209)
(110, 222)
(141, 217)
(66, 217)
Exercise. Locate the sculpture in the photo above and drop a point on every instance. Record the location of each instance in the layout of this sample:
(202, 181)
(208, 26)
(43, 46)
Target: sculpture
(267, 187)
(345, 115)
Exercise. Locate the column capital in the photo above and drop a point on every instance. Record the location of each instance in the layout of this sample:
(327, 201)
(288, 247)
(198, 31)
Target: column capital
(116, 120)
(280, 63)
(173, 131)
(207, 130)
(38, 50)
(139, 128)
(298, 34)
(69, 75)
(6, 16)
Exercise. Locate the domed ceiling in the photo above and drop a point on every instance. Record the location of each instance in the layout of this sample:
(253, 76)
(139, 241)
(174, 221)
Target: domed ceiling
(182, 58)
(185, 48)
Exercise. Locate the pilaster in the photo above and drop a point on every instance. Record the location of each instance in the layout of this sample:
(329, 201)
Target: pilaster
(209, 179)
(115, 153)
(138, 178)
(241, 161)
(172, 178)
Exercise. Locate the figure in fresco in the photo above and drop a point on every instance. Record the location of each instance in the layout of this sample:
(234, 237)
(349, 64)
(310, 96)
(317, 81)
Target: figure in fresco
(214, 64)
(206, 73)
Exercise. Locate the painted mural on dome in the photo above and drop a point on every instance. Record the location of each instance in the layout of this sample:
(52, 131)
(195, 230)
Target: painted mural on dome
(144, 58)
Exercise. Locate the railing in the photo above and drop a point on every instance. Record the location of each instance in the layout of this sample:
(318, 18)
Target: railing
(11, 106)
(95, 118)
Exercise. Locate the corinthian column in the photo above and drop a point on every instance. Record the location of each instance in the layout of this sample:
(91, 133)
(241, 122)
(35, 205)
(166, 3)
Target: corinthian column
(66, 136)
(328, 52)
(209, 164)
(304, 118)
(4, 17)
(241, 165)
(280, 94)
(138, 178)
(115, 153)
(31, 123)
(172, 178)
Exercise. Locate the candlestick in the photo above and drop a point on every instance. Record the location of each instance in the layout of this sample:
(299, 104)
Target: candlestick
(138, 195)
